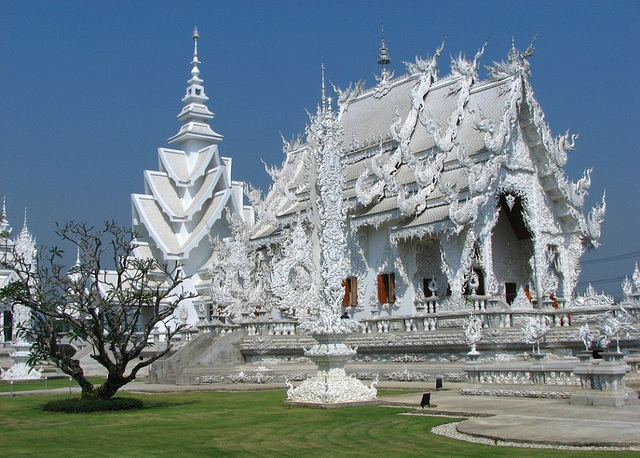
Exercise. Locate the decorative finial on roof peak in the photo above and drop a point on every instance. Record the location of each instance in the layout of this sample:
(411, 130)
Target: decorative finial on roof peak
(195, 41)
(324, 93)
(5, 229)
(383, 57)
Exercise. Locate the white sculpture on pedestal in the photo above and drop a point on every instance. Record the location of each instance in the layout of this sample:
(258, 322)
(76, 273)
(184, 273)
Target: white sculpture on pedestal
(331, 384)
(587, 336)
(534, 332)
(473, 333)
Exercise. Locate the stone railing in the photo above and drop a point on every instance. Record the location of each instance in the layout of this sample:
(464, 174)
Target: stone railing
(494, 315)
(556, 373)
(585, 381)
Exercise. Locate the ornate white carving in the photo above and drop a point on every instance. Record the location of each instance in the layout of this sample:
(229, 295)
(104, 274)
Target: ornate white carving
(591, 298)
(627, 288)
(613, 324)
(237, 284)
(293, 273)
(535, 330)
(636, 278)
(591, 225)
(587, 336)
(384, 83)
(265, 213)
(427, 174)
(457, 259)
(473, 333)
(345, 97)
(521, 302)
(333, 386)
(384, 166)
(517, 65)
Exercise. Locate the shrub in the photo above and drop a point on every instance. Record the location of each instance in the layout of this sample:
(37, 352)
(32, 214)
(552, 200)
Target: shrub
(76, 405)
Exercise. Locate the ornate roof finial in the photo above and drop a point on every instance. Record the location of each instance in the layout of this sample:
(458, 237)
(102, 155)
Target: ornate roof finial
(383, 57)
(324, 94)
(195, 41)
(5, 229)
(195, 132)
(25, 230)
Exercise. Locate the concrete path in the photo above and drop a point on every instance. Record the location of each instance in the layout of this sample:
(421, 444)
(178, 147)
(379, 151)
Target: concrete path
(547, 421)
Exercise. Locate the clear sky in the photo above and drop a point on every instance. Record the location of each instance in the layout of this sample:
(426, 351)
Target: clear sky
(89, 90)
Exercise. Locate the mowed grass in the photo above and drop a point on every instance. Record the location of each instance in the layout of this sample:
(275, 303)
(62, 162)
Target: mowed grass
(42, 384)
(232, 424)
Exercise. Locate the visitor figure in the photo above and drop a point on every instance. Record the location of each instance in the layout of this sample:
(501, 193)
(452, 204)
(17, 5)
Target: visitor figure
(527, 293)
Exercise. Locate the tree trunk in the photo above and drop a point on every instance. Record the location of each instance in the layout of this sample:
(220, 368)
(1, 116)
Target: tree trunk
(105, 391)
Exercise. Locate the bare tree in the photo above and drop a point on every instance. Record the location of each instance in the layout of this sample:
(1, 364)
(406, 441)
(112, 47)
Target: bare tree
(113, 311)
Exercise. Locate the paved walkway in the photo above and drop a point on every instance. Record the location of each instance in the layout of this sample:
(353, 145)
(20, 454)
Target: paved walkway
(547, 421)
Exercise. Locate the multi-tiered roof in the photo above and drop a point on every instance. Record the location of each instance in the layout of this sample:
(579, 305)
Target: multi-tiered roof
(188, 196)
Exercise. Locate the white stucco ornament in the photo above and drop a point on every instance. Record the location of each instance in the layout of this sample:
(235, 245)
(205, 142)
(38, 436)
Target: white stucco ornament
(330, 353)
(473, 333)
(535, 330)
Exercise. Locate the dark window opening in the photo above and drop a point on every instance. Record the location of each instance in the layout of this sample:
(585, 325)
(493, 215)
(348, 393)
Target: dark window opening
(511, 292)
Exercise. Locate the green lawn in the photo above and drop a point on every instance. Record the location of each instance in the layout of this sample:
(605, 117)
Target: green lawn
(42, 384)
(230, 424)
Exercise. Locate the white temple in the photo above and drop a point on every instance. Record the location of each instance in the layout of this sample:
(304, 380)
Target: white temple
(453, 201)
(454, 187)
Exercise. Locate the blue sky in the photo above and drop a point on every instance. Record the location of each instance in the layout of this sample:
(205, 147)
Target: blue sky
(90, 90)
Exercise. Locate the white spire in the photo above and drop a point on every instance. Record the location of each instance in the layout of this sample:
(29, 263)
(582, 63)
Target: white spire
(5, 228)
(24, 224)
(195, 133)
(26, 243)
(324, 94)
